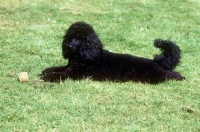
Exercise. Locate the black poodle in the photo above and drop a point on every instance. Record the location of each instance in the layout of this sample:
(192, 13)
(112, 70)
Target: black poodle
(87, 59)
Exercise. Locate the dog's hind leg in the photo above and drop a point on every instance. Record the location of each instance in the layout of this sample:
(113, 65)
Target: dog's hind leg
(158, 76)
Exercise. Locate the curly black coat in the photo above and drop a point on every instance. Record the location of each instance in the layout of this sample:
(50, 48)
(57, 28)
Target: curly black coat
(87, 59)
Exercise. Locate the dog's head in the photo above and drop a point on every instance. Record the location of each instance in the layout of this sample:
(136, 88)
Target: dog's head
(81, 39)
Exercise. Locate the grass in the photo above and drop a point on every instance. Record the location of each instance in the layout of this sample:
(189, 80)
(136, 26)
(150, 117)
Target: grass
(30, 40)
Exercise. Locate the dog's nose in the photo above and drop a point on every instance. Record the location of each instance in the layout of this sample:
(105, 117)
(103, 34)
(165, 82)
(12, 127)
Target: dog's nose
(69, 45)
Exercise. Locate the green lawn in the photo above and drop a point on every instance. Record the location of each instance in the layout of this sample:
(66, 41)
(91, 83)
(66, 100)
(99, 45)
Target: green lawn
(30, 40)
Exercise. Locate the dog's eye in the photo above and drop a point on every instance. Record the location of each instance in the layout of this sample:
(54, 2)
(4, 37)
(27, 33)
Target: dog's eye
(70, 40)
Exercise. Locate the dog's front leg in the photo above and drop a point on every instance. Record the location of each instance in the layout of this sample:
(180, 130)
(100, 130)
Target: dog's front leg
(54, 75)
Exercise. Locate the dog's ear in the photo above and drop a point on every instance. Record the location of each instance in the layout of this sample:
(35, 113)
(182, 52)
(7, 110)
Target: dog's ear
(91, 48)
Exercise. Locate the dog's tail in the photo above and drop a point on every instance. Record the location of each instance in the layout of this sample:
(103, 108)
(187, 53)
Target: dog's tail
(170, 56)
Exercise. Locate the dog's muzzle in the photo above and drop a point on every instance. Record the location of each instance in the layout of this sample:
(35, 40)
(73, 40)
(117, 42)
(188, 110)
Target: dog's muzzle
(74, 45)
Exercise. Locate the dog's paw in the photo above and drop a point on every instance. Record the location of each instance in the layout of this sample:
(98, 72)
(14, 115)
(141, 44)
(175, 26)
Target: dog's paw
(53, 69)
(51, 77)
(48, 70)
(181, 78)
(176, 76)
